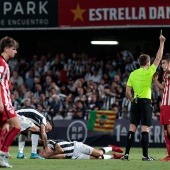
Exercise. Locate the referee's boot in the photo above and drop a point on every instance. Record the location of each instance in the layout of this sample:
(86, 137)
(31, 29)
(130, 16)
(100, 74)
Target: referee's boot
(36, 156)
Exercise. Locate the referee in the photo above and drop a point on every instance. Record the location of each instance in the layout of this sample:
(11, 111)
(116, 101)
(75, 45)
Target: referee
(138, 91)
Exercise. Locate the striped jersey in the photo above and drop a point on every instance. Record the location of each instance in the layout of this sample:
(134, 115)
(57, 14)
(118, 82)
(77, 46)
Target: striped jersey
(33, 114)
(68, 147)
(5, 81)
(166, 91)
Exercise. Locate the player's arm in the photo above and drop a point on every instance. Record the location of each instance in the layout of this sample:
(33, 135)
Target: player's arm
(58, 156)
(58, 149)
(129, 93)
(155, 78)
(44, 137)
(160, 51)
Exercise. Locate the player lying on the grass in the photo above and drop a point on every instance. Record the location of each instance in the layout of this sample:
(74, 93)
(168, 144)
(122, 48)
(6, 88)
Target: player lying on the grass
(77, 150)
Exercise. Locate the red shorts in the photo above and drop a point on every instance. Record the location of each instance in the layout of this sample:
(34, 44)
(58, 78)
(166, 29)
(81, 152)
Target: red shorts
(165, 115)
(8, 112)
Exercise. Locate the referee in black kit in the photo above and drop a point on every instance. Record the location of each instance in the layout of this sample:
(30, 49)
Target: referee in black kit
(140, 81)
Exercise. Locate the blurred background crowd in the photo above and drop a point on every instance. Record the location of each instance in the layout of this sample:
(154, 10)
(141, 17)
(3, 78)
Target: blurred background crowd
(69, 87)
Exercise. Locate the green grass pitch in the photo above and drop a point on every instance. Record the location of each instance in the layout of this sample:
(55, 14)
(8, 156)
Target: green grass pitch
(134, 163)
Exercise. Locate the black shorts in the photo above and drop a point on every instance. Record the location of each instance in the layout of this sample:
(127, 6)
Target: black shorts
(141, 112)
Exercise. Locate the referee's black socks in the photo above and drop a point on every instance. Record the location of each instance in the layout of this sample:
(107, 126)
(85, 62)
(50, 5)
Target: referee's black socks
(145, 142)
(129, 141)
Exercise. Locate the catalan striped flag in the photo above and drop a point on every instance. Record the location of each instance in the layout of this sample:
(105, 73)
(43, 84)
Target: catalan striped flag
(101, 120)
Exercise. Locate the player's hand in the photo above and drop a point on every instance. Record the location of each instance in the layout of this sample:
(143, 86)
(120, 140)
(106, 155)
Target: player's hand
(155, 76)
(47, 150)
(6, 127)
(162, 38)
(44, 154)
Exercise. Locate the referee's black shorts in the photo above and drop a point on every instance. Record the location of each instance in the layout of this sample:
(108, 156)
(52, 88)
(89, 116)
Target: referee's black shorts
(141, 112)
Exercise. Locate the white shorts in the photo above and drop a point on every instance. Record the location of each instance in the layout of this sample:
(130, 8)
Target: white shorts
(25, 123)
(81, 151)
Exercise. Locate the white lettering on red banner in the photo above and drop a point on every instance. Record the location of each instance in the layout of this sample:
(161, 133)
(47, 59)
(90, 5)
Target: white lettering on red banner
(109, 14)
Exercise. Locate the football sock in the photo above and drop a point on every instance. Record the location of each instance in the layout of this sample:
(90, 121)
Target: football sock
(21, 142)
(107, 156)
(129, 141)
(8, 138)
(106, 149)
(2, 132)
(34, 139)
(145, 142)
(167, 140)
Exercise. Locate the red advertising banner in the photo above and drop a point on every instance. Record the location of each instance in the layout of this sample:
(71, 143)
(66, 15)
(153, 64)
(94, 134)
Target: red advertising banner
(113, 13)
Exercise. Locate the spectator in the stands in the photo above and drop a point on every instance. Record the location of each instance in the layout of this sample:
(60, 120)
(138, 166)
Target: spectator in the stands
(15, 103)
(112, 71)
(88, 73)
(17, 97)
(108, 98)
(22, 91)
(62, 75)
(107, 78)
(55, 107)
(38, 91)
(43, 111)
(29, 79)
(13, 63)
(96, 76)
(115, 108)
(94, 103)
(81, 96)
(70, 83)
(130, 64)
(27, 103)
(80, 112)
(101, 84)
(43, 100)
(16, 80)
(68, 66)
(78, 68)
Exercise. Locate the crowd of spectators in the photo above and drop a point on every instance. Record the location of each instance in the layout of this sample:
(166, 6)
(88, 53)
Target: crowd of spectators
(69, 87)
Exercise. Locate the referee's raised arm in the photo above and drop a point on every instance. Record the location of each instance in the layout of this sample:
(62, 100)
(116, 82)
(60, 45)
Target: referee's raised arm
(160, 51)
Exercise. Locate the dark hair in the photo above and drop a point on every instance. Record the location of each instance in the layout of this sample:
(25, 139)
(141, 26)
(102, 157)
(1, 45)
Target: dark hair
(51, 123)
(166, 57)
(143, 59)
(8, 42)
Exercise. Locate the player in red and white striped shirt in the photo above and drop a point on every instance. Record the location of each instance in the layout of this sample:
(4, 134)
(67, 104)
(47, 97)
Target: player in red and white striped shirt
(165, 105)
(8, 49)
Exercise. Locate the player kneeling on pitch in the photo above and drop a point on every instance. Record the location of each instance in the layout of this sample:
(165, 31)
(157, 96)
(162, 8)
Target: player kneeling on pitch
(77, 150)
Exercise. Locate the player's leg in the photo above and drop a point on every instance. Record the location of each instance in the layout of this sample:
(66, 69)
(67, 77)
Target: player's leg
(134, 122)
(164, 121)
(129, 141)
(26, 125)
(9, 137)
(88, 152)
(21, 144)
(34, 140)
(166, 130)
(146, 118)
(2, 134)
